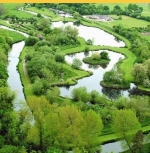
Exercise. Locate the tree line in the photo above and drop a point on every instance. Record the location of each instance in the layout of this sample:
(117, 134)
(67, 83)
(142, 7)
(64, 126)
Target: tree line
(132, 10)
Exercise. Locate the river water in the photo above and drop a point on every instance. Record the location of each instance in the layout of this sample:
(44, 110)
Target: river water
(14, 81)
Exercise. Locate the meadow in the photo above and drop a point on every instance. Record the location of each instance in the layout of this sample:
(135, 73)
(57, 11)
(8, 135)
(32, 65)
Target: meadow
(43, 11)
(12, 10)
(126, 21)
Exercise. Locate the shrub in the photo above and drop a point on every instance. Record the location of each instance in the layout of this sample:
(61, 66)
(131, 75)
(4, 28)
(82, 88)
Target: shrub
(30, 41)
(81, 94)
(146, 83)
(89, 42)
(59, 57)
(76, 63)
(86, 48)
(95, 56)
(104, 55)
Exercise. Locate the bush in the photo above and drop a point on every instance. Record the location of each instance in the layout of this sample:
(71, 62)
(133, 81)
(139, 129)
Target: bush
(146, 83)
(87, 48)
(81, 94)
(30, 41)
(39, 15)
(89, 42)
(53, 94)
(104, 55)
(76, 63)
(95, 56)
(59, 57)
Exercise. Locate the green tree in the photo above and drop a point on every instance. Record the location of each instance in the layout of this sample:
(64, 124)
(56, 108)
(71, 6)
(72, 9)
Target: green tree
(53, 94)
(93, 127)
(81, 94)
(76, 63)
(59, 57)
(30, 41)
(139, 72)
(43, 23)
(125, 124)
(71, 32)
(142, 109)
(89, 42)
(71, 124)
(40, 108)
(37, 87)
(94, 95)
(104, 55)
(76, 15)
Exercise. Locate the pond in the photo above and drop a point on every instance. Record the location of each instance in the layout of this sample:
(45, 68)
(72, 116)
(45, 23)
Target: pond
(99, 37)
(93, 82)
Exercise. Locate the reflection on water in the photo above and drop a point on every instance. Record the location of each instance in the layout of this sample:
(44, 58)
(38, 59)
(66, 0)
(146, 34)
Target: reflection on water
(86, 53)
(112, 93)
(136, 91)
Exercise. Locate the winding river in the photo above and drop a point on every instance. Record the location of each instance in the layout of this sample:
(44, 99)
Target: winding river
(92, 83)
(14, 81)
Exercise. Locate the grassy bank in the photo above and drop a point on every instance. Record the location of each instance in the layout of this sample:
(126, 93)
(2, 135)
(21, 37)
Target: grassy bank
(114, 86)
(12, 10)
(27, 87)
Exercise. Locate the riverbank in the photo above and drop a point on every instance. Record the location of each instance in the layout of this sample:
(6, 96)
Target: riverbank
(115, 86)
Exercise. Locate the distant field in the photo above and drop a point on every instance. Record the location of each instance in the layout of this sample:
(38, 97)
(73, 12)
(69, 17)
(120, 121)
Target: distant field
(127, 22)
(43, 11)
(10, 7)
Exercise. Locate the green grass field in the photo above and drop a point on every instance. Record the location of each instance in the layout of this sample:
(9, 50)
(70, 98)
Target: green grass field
(126, 21)
(10, 7)
(43, 11)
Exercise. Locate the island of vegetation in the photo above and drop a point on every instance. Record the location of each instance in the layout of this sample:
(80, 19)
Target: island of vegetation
(88, 119)
(97, 59)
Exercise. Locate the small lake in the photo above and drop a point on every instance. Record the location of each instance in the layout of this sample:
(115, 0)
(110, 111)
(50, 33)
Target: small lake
(93, 82)
(100, 37)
